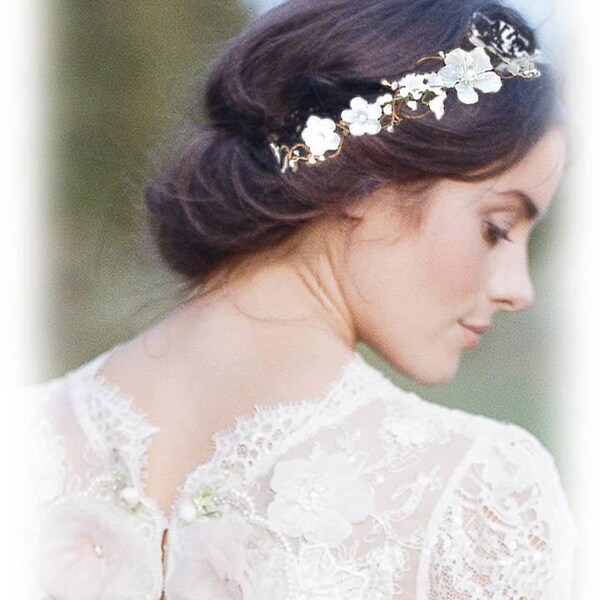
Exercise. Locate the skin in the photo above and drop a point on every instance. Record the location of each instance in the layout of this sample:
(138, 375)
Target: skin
(402, 290)
(420, 287)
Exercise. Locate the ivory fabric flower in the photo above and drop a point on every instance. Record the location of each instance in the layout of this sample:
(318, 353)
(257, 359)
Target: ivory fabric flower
(320, 135)
(209, 559)
(90, 549)
(466, 71)
(363, 117)
(318, 498)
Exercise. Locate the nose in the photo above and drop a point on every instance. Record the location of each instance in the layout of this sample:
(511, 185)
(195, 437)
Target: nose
(510, 285)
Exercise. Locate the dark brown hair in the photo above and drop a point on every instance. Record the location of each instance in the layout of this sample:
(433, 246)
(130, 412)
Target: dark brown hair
(223, 195)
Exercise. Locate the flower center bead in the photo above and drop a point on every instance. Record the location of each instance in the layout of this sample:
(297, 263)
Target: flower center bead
(311, 496)
(466, 74)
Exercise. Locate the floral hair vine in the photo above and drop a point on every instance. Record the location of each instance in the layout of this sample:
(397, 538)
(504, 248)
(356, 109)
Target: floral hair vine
(463, 71)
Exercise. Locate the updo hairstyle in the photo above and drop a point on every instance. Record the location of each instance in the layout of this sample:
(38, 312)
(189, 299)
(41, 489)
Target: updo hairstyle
(222, 197)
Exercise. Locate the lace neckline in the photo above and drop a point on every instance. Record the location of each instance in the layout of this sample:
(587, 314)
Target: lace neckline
(355, 376)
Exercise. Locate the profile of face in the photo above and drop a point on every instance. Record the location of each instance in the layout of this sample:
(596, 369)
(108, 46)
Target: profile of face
(411, 293)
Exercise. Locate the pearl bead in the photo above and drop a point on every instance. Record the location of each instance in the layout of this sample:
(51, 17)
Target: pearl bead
(98, 550)
(130, 496)
(187, 512)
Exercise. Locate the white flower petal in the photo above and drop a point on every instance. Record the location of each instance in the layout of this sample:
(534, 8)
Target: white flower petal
(313, 122)
(329, 528)
(433, 81)
(320, 500)
(466, 93)
(328, 125)
(374, 112)
(358, 104)
(318, 148)
(404, 82)
(488, 82)
(357, 128)
(437, 105)
(282, 513)
(349, 116)
(372, 127)
(314, 141)
(448, 76)
(458, 58)
(333, 141)
(480, 60)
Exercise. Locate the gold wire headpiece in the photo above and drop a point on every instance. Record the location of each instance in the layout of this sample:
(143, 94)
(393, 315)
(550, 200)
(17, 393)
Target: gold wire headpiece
(463, 71)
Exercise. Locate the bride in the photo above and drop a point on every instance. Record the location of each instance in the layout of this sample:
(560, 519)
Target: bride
(368, 172)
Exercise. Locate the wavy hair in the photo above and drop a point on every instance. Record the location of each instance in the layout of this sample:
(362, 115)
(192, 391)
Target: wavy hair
(221, 196)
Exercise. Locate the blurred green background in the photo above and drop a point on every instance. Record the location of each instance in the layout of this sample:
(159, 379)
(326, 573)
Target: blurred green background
(120, 77)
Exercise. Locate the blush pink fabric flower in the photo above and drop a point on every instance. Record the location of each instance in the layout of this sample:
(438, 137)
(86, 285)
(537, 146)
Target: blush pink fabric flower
(208, 559)
(90, 549)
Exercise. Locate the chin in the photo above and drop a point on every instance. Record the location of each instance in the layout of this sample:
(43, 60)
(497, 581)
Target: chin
(432, 371)
(432, 374)
(433, 380)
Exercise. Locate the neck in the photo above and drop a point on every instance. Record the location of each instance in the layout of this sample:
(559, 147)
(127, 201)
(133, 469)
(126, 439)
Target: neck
(278, 317)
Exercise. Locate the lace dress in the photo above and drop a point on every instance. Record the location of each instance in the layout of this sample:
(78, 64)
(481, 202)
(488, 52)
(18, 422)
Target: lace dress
(367, 493)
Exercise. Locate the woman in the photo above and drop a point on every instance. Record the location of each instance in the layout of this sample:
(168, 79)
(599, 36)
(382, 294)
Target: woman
(368, 172)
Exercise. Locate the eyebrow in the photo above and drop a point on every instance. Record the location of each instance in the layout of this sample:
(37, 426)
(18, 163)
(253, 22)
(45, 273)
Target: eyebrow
(528, 206)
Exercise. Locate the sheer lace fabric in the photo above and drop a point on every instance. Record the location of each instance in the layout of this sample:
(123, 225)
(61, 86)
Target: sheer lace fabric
(368, 493)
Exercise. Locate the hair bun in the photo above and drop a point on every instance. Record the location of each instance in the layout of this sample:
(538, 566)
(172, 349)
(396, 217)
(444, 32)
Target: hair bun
(224, 195)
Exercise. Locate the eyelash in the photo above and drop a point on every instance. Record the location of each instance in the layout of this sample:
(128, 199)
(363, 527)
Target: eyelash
(495, 233)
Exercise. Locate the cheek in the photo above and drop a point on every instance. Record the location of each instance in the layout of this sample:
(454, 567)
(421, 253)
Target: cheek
(454, 264)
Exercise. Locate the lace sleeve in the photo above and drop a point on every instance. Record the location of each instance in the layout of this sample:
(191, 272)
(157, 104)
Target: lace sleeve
(502, 528)
(60, 460)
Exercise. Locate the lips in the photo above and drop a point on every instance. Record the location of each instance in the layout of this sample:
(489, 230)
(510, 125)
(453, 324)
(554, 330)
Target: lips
(480, 329)
(472, 333)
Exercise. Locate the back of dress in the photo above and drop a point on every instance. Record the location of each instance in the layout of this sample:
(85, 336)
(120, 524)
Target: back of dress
(368, 492)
